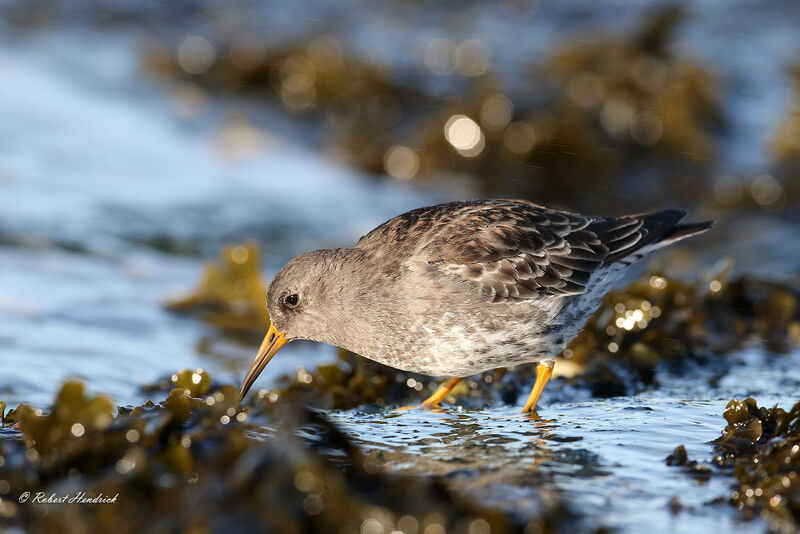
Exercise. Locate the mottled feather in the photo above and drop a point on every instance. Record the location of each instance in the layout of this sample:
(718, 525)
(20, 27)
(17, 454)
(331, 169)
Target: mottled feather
(515, 249)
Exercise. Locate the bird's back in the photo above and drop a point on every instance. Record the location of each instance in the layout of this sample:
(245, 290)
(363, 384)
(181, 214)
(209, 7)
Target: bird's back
(516, 249)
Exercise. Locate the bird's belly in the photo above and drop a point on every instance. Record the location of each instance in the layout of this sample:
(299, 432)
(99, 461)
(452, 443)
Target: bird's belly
(460, 353)
(469, 354)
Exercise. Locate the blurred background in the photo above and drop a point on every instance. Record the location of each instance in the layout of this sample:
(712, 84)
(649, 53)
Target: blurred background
(139, 138)
(161, 160)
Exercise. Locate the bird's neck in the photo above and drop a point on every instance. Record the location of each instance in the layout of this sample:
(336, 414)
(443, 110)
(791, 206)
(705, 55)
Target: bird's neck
(361, 298)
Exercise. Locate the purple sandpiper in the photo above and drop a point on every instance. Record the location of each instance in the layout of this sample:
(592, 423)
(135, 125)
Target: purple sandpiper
(460, 288)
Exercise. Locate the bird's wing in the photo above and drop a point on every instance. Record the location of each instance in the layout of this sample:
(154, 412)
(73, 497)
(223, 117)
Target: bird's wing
(518, 250)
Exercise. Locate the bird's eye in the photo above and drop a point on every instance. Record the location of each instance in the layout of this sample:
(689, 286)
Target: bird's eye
(291, 300)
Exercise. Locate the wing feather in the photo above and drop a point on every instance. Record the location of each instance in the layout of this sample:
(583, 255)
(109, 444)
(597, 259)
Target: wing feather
(517, 249)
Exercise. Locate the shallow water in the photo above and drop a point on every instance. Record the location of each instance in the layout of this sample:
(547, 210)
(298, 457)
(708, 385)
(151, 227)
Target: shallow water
(606, 456)
(111, 203)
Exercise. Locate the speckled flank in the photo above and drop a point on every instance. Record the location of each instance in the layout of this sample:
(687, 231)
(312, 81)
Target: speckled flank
(459, 288)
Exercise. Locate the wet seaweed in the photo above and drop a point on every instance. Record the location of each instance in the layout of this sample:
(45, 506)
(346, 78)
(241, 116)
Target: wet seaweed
(359, 107)
(760, 447)
(231, 294)
(200, 461)
(349, 382)
(608, 110)
(662, 320)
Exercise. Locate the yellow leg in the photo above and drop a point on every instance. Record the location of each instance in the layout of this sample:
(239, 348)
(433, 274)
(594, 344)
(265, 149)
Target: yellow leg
(440, 394)
(434, 400)
(543, 371)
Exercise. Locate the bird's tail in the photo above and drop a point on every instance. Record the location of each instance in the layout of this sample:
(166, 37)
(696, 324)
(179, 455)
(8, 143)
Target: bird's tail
(657, 230)
(682, 231)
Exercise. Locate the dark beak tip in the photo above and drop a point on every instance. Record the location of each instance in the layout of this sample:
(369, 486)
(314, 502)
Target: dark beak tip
(247, 384)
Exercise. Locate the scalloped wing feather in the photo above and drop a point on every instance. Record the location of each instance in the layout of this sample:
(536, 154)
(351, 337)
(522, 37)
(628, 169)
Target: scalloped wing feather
(517, 249)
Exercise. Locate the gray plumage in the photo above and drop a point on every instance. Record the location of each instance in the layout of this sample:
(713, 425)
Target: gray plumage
(460, 288)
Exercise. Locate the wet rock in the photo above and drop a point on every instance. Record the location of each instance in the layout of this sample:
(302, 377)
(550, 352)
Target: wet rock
(675, 505)
(678, 457)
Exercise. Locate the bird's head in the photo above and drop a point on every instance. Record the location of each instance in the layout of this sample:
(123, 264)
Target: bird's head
(300, 300)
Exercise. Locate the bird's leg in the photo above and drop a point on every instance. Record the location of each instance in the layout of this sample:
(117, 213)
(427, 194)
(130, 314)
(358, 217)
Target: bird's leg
(434, 400)
(544, 370)
(440, 394)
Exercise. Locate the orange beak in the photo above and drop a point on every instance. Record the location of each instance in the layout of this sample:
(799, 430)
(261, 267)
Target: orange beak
(272, 343)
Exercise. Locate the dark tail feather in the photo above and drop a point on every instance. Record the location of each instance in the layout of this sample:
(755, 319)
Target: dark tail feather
(657, 230)
(682, 231)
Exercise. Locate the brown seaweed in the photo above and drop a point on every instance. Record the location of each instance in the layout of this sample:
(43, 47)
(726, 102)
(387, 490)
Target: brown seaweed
(760, 447)
(231, 294)
(206, 464)
(608, 110)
